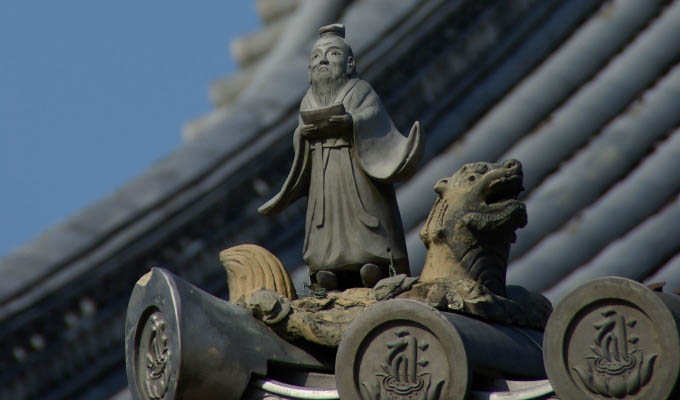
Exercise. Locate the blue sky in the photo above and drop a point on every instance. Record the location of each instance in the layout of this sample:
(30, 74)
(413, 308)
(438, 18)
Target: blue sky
(93, 92)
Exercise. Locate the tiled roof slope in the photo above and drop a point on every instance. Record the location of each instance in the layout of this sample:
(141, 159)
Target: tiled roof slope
(593, 126)
(585, 96)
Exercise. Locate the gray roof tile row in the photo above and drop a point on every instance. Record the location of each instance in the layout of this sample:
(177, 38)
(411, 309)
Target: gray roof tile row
(497, 130)
(610, 156)
(580, 123)
(635, 255)
(628, 204)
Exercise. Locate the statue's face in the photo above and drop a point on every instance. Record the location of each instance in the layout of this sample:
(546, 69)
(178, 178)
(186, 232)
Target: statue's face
(330, 58)
(482, 196)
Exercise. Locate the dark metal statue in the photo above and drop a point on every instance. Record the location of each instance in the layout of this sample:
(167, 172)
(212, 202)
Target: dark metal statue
(347, 155)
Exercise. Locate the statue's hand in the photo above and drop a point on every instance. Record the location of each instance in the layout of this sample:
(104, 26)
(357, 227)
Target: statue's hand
(309, 131)
(344, 122)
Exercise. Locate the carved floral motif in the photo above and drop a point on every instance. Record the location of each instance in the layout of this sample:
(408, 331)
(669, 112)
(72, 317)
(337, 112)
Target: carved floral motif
(614, 368)
(400, 377)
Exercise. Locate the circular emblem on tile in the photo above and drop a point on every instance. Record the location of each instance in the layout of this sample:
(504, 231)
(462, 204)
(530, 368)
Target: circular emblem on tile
(153, 349)
(153, 356)
(402, 349)
(612, 338)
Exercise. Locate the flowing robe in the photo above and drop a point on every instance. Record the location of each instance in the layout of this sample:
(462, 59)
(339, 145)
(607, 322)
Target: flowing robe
(352, 214)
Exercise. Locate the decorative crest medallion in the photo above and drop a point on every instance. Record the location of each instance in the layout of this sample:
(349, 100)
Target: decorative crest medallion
(157, 358)
(614, 367)
(400, 377)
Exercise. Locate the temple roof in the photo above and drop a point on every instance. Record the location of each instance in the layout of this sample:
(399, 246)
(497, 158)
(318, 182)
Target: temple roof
(584, 96)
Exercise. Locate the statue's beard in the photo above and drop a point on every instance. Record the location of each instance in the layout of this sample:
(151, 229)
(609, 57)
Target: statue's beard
(327, 84)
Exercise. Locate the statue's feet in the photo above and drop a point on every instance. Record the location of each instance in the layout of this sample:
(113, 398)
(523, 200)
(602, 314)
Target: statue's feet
(371, 274)
(327, 280)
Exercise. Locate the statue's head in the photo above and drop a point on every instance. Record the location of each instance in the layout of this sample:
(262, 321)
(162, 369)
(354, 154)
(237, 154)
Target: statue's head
(480, 197)
(331, 61)
(477, 208)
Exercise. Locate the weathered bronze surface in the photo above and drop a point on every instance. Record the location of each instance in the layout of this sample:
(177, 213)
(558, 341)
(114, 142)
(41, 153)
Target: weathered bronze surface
(393, 334)
(472, 224)
(347, 155)
(468, 235)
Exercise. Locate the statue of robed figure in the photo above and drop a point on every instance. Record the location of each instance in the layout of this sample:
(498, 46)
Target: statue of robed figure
(348, 153)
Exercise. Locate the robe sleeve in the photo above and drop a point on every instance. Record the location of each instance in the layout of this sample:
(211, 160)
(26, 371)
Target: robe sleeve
(384, 153)
(297, 182)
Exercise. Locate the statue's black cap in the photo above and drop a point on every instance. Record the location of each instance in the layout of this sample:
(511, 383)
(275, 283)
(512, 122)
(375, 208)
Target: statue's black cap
(333, 29)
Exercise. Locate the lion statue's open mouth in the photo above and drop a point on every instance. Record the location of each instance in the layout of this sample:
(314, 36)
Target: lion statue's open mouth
(472, 224)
